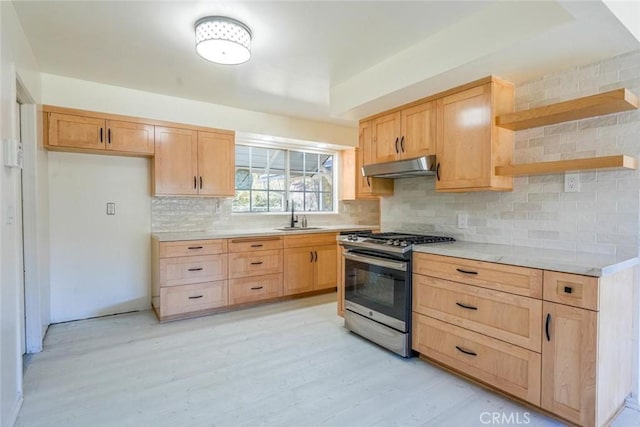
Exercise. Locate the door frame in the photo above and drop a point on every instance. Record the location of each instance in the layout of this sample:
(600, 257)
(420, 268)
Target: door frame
(35, 233)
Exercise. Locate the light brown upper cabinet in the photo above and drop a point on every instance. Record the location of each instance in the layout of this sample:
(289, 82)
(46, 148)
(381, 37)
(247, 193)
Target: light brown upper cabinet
(366, 187)
(71, 132)
(469, 144)
(189, 162)
(404, 134)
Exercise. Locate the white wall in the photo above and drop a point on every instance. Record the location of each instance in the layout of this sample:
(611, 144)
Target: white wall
(74, 93)
(16, 59)
(100, 264)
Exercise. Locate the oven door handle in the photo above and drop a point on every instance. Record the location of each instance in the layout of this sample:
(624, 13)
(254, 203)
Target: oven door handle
(380, 262)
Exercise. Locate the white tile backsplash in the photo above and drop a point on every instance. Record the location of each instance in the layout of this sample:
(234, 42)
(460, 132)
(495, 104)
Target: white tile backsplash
(212, 214)
(602, 218)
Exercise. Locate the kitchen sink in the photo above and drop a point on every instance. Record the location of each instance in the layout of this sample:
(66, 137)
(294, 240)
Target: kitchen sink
(298, 228)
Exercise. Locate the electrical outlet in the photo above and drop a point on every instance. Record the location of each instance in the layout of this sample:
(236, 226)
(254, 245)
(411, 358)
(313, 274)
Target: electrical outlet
(463, 220)
(111, 208)
(571, 182)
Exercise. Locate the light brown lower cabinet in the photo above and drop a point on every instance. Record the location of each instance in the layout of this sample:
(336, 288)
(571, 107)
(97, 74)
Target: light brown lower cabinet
(257, 288)
(310, 263)
(566, 349)
(176, 300)
(508, 367)
(569, 362)
(198, 277)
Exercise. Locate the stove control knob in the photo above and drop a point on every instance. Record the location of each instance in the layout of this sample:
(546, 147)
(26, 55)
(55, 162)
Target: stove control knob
(352, 237)
(396, 243)
(404, 243)
(390, 242)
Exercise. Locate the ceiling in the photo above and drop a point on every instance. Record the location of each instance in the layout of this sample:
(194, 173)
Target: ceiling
(322, 60)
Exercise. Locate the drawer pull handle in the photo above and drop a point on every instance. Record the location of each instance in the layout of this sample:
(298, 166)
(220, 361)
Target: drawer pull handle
(196, 297)
(470, 353)
(468, 307)
(568, 289)
(466, 271)
(256, 288)
(257, 246)
(196, 269)
(256, 263)
(194, 247)
(546, 326)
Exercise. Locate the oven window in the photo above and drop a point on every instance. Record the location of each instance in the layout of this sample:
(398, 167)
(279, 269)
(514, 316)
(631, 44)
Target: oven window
(378, 288)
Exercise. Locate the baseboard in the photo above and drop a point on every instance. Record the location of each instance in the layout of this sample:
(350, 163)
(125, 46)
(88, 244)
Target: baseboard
(15, 412)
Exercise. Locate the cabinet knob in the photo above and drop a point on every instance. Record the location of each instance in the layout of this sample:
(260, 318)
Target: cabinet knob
(402, 144)
(397, 146)
(568, 289)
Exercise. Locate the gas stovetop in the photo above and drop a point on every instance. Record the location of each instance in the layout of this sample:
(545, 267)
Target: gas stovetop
(392, 242)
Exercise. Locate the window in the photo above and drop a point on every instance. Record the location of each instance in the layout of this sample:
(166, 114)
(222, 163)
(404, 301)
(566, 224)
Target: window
(270, 179)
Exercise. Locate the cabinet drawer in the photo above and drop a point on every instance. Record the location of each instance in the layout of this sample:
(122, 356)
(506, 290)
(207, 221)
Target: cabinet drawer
(313, 239)
(512, 318)
(255, 263)
(193, 247)
(193, 269)
(255, 244)
(508, 278)
(571, 289)
(504, 366)
(251, 289)
(190, 298)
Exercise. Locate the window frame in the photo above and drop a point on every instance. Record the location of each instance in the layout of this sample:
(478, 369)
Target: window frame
(287, 178)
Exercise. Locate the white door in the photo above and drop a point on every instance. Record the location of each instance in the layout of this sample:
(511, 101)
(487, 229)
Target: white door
(20, 239)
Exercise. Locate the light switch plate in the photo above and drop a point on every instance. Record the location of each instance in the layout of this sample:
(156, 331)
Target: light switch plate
(111, 208)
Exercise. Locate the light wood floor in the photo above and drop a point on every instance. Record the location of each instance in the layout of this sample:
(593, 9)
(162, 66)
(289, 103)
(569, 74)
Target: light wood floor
(285, 364)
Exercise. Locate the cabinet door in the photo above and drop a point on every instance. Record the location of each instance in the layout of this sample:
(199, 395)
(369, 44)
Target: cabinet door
(569, 362)
(326, 266)
(418, 126)
(216, 164)
(298, 270)
(386, 138)
(366, 187)
(175, 162)
(130, 137)
(464, 139)
(66, 130)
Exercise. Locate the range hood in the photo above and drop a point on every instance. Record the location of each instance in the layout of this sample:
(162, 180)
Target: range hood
(420, 166)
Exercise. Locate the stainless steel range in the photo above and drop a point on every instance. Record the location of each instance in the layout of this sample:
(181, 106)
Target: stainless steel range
(378, 286)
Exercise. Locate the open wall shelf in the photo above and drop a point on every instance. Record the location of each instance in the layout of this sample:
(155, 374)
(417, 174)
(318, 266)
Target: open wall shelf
(616, 162)
(614, 101)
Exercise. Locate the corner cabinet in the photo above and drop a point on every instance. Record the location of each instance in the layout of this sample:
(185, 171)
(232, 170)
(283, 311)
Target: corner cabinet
(469, 144)
(190, 162)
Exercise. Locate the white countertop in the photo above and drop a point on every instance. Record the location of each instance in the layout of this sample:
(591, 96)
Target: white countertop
(225, 234)
(587, 264)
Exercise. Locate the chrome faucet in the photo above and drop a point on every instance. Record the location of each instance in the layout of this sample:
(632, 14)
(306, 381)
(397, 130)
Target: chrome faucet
(294, 219)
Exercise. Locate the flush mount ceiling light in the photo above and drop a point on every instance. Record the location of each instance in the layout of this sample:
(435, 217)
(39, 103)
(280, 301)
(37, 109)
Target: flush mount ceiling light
(223, 40)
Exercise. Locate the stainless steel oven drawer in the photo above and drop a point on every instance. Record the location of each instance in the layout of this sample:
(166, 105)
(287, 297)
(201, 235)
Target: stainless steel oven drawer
(389, 338)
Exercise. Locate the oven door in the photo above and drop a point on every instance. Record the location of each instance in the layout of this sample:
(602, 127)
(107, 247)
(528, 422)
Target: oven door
(376, 287)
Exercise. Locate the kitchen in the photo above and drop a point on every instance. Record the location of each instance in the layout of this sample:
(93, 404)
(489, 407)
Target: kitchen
(601, 218)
